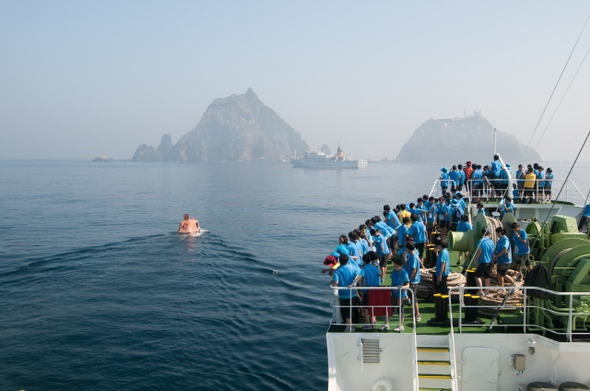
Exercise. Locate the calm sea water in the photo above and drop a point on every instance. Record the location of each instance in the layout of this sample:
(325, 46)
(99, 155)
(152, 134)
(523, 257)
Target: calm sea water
(97, 292)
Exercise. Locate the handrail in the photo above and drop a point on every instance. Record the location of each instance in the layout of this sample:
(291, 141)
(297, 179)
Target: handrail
(361, 288)
(484, 192)
(526, 307)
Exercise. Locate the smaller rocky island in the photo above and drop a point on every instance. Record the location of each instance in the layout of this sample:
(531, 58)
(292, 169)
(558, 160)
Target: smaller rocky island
(462, 139)
(102, 159)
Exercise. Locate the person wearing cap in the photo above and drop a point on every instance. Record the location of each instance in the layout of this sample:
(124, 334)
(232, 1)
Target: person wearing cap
(333, 262)
(547, 185)
(444, 180)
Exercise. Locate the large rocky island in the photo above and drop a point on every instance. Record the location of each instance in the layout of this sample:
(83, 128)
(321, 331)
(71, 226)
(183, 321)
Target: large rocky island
(450, 141)
(239, 128)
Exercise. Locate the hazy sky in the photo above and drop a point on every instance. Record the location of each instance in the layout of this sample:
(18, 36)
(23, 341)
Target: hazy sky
(81, 79)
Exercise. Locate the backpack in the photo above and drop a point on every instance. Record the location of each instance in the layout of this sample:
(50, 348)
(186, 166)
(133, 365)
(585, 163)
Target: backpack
(456, 214)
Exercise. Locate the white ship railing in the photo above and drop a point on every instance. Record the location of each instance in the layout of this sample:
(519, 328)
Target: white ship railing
(571, 192)
(567, 315)
(337, 321)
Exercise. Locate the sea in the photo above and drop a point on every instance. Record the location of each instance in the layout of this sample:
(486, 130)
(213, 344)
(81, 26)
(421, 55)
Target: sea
(98, 292)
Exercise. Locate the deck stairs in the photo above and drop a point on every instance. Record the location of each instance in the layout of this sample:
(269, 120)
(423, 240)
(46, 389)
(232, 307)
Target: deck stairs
(435, 370)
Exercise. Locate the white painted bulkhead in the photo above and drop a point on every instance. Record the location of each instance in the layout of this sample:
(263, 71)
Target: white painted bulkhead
(483, 361)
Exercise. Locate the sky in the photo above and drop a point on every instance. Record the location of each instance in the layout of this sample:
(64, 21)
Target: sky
(81, 79)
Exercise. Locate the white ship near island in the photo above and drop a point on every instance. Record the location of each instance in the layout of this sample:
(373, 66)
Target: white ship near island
(313, 159)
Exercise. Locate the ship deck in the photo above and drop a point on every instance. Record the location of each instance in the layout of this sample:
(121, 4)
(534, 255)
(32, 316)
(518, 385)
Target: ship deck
(511, 322)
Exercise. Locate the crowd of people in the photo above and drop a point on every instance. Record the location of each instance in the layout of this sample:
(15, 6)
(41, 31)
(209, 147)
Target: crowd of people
(492, 181)
(401, 235)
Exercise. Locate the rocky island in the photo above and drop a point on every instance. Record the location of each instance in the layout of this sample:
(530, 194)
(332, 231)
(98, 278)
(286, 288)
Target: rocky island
(239, 128)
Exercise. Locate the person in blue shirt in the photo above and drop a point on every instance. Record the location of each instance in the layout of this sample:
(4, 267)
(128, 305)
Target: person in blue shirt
(443, 268)
(584, 220)
(503, 256)
(463, 226)
(418, 233)
(372, 275)
(461, 177)
(441, 216)
(454, 178)
(444, 180)
(506, 206)
(547, 185)
(494, 175)
(391, 218)
(382, 250)
(353, 250)
(412, 267)
(515, 193)
(420, 210)
(521, 249)
(460, 201)
(483, 255)
(342, 247)
(477, 181)
(454, 214)
(343, 277)
(519, 181)
(399, 280)
(429, 209)
(386, 230)
(364, 235)
(403, 232)
(363, 243)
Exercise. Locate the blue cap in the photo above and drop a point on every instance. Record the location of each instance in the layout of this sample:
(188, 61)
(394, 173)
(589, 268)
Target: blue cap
(444, 169)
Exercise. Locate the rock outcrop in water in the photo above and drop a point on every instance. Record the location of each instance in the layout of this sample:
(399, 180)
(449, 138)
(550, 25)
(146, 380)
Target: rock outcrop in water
(237, 128)
(452, 141)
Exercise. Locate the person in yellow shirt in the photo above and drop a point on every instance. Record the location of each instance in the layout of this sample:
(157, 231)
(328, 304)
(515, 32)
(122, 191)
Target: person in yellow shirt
(403, 213)
(529, 185)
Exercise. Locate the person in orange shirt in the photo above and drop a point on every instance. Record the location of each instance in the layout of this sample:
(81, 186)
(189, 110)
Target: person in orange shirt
(468, 171)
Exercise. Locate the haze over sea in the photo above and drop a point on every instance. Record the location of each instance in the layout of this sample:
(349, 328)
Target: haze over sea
(99, 293)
